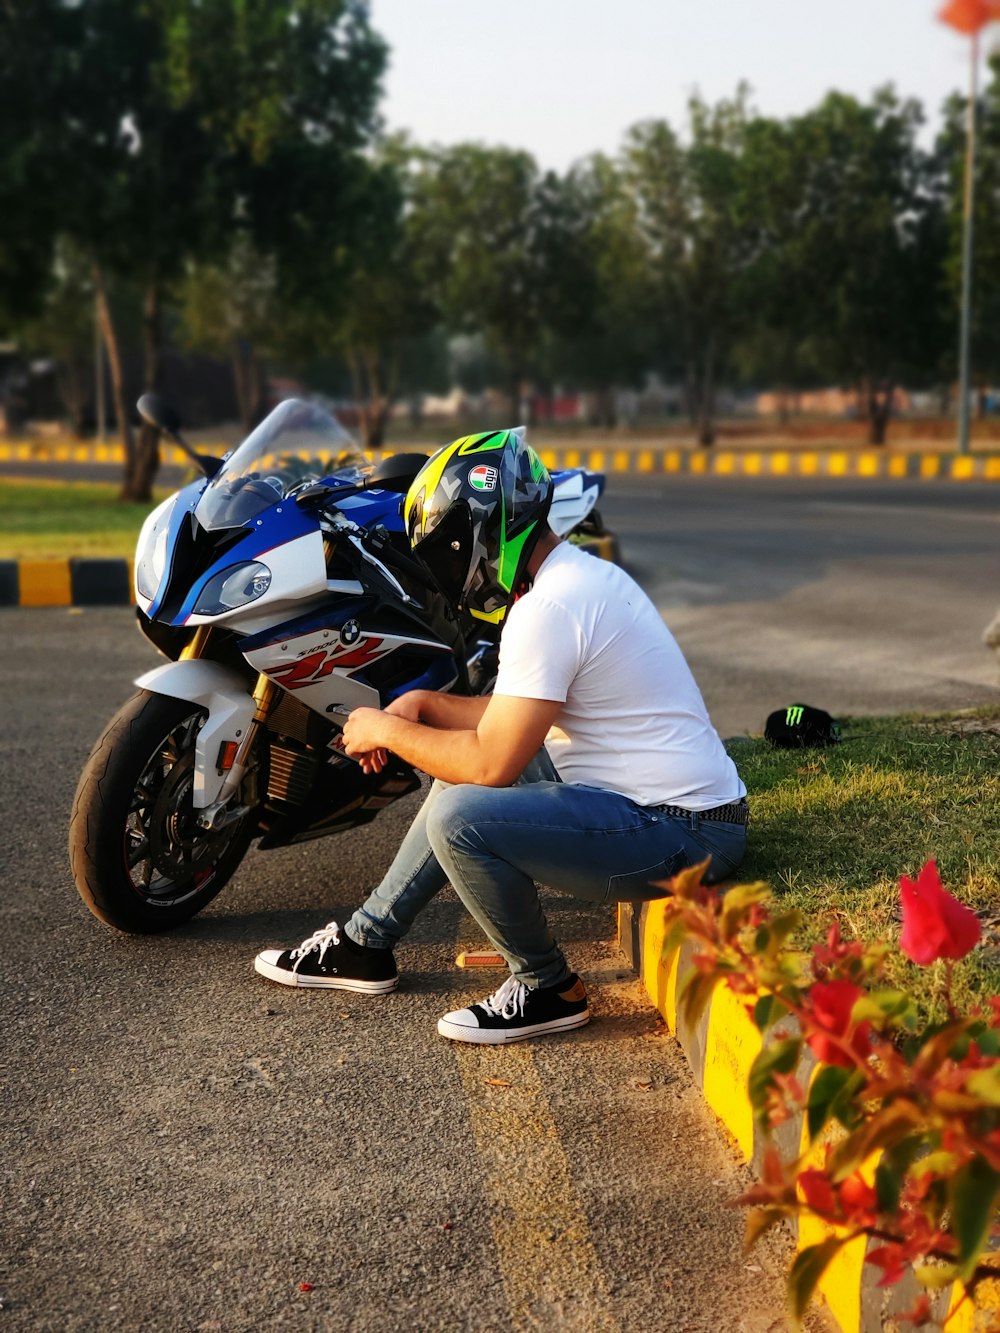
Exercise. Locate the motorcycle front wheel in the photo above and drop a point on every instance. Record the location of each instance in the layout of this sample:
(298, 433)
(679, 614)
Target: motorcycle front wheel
(140, 860)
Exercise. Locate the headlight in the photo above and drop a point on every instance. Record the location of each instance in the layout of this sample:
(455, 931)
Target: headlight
(151, 549)
(232, 588)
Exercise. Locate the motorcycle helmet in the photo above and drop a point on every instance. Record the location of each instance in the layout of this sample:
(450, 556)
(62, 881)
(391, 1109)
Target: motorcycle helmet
(473, 515)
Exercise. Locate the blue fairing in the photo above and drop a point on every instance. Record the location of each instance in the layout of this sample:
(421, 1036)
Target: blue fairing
(284, 521)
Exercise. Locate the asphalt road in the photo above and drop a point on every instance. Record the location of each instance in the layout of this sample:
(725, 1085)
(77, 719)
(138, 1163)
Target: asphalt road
(855, 596)
(184, 1145)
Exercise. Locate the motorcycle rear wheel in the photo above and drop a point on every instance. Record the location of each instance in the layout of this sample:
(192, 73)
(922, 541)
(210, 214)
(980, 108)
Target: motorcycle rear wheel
(140, 861)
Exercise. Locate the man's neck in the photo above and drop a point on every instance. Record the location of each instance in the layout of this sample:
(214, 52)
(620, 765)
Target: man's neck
(543, 548)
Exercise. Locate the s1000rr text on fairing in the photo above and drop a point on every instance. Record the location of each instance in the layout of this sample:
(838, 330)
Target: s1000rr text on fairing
(281, 588)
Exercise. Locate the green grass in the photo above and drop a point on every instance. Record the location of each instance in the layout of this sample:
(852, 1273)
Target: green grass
(47, 519)
(832, 830)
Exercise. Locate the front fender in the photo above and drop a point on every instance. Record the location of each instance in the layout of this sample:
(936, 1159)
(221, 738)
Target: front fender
(230, 709)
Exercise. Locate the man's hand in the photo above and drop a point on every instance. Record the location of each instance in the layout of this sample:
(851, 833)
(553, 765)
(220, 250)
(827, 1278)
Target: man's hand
(360, 739)
(505, 733)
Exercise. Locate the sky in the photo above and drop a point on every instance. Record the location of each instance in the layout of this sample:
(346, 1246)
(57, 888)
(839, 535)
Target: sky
(564, 78)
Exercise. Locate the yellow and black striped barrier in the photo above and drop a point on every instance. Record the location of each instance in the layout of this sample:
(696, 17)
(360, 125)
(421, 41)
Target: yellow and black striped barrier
(720, 1048)
(928, 465)
(78, 581)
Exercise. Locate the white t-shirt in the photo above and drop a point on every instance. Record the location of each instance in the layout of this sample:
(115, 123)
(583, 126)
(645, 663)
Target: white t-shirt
(633, 720)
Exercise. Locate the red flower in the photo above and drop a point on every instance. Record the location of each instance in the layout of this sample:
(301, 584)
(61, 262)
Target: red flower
(831, 1003)
(859, 1201)
(818, 1193)
(935, 925)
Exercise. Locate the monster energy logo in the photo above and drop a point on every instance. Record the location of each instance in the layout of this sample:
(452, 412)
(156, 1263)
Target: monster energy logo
(793, 715)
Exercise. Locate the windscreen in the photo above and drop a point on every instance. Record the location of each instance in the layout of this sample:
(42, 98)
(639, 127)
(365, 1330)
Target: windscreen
(297, 444)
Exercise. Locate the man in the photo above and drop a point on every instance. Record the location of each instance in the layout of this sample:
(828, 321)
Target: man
(592, 767)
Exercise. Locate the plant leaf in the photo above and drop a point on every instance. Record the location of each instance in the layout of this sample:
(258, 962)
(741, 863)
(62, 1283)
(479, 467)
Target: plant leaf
(763, 1012)
(985, 1083)
(935, 1276)
(780, 1057)
(809, 1266)
(826, 1086)
(974, 1192)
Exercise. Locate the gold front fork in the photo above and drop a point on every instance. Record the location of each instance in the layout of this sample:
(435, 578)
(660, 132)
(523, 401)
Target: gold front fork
(263, 696)
(196, 646)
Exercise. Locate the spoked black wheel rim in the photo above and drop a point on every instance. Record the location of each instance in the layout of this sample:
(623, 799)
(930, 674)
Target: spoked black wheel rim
(168, 856)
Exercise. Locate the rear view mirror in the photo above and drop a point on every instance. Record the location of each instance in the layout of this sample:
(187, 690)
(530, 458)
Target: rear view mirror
(155, 412)
(396, 473)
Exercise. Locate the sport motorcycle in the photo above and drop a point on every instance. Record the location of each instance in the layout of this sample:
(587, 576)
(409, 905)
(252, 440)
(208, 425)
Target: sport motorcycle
(281, 588)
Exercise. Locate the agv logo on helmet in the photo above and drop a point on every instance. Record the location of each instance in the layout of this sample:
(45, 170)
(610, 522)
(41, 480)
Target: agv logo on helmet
(484, 478)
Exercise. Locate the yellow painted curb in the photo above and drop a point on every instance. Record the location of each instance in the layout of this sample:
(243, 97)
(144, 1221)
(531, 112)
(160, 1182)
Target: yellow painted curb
(720, 1051)
(44, 583)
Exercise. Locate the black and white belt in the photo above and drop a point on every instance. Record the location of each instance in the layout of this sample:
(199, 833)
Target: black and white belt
(736, 812)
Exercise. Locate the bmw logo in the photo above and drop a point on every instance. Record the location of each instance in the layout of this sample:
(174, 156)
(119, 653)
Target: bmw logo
(349, 631)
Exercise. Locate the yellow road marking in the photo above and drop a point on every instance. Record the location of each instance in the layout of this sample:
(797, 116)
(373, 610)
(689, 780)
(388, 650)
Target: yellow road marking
(546, 1256)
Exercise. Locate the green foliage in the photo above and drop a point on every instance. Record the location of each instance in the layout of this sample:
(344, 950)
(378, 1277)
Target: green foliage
(974, 1191)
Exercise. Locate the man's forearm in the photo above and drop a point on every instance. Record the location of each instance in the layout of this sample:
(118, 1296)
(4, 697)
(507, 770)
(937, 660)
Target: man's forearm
(451, 712)
(448, 752)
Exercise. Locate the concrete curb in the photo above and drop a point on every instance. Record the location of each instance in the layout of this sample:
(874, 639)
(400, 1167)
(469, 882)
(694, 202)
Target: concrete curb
(720, 1050)
(79, 581)
(721, 462)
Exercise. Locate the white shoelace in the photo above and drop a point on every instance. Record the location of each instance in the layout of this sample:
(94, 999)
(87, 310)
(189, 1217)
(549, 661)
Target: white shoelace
(321, 940)
(508, 1000)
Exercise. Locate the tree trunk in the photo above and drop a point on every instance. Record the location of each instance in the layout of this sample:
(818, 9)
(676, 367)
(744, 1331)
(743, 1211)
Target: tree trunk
(139, 481)
(706, 398)
(248, 383)
(109, 337)
(74, 390)
(606, 413)
(879, 412)
(373, 405)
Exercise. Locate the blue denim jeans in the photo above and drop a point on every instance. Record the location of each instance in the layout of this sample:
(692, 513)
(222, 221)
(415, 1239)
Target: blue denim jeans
(494, 844)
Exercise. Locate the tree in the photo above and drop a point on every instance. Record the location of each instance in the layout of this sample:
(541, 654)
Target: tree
(605, 336)
(156, 159)
(854, 212)
(697, 238)
(479, 238)
(231, 310)
(64, 331)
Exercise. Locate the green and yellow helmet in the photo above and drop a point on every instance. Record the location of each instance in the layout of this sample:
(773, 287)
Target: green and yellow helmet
(473, 515)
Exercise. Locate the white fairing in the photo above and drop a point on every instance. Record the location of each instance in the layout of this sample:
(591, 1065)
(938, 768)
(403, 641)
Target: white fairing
(230, 712)
(298, 572)
(571, 503)
(317, 667)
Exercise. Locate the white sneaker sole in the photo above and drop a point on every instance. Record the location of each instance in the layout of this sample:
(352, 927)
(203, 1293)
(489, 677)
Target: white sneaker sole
(501, 1037)
(285, 978)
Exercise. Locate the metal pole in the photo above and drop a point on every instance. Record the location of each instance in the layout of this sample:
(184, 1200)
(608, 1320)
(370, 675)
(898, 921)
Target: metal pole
(102, 419)
(970, 171)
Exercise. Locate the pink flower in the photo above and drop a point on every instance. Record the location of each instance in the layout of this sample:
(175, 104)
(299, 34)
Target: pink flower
(830, 1008)
(935, 925)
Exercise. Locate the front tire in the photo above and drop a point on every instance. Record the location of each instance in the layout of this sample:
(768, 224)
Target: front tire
(140, 861)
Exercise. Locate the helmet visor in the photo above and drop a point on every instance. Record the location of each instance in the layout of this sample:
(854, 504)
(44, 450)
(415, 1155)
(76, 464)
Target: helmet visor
(447, 551)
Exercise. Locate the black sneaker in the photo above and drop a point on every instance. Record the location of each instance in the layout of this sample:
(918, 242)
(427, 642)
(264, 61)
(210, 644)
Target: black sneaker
(514, 1012)
(330, 958)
